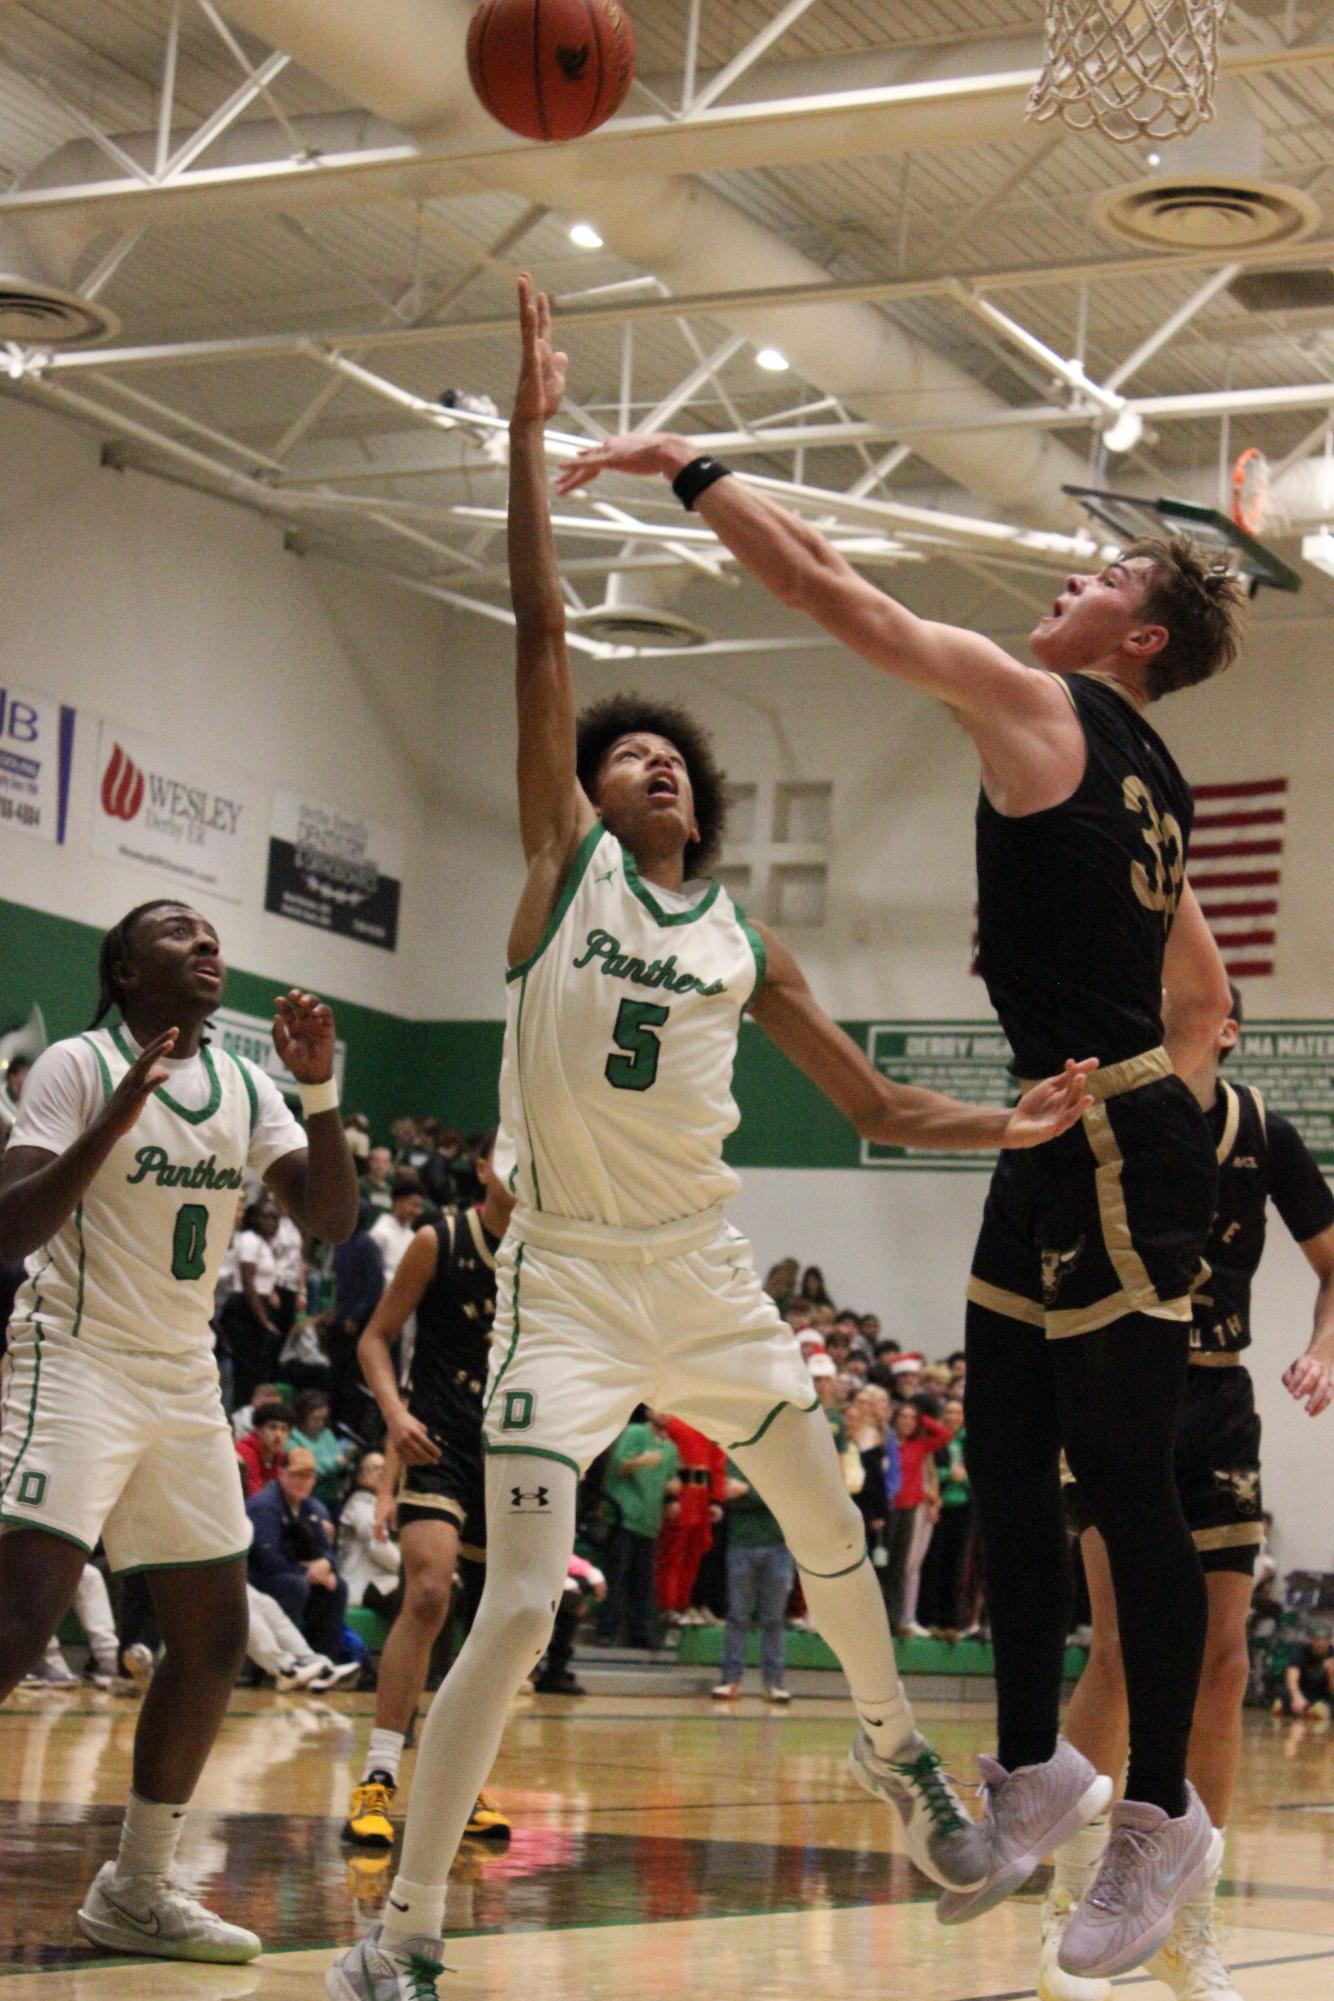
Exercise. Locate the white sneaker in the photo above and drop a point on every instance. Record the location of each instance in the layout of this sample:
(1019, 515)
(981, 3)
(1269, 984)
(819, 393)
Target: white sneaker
(943, 1839)
(1029, 1812)
(777, 1695)
(1191, 1963)
(154, 1916)
(330, 1676)
(726, 1691)
(1152, 1867)
(1054, 1983)
(370, 1971)
(910, 1630)
(51, 1671)
(292, 1674)
(138, 1664)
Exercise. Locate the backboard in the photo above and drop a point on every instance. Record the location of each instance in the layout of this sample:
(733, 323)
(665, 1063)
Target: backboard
(1129, 515)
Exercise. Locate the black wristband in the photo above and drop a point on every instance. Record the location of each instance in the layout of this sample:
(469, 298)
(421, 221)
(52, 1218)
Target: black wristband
(697, 478)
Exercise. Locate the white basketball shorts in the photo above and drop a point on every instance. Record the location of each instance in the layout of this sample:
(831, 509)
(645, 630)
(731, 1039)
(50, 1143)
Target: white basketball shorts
(134, 1449)
(592, 1321)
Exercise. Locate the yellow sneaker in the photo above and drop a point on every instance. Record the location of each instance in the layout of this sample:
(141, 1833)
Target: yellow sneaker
(368, 1824)
(487, 1822)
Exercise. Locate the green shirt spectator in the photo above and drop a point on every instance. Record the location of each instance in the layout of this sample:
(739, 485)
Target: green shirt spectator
(749, 1523)
(331, 1455)
(640, 1491)
(955, 1491)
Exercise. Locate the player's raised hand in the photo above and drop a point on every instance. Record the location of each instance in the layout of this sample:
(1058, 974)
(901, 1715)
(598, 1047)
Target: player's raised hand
(1310, 1380)
(633, 453)
(1051, 1107)
(303, 1035)
(138, 1084)
(541, 369)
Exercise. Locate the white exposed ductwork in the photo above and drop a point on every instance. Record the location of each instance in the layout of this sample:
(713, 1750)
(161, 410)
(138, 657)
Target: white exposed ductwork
(39, 305)
(403, 60)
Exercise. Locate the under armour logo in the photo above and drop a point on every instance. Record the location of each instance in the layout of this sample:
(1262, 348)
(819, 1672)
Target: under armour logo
(572, 62)
(523, 1502)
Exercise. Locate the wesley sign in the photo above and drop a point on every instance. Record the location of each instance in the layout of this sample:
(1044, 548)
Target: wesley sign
(186, 822)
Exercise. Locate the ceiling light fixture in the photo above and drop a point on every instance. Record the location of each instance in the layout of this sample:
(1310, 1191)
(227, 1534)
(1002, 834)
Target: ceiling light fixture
(584, 234)
(1124, 432)
(770, 358)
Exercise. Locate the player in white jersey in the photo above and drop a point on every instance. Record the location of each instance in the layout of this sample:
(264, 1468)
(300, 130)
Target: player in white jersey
(621, 1280)
(119, 1188)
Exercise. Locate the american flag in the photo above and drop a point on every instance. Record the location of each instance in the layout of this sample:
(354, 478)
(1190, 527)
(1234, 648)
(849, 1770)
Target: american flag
(1236, 860)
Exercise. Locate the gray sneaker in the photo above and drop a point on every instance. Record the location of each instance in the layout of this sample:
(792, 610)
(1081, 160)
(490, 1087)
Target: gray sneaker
(943, 1839)
(1028, 1813)
(371, 1971)
(1152, 1866)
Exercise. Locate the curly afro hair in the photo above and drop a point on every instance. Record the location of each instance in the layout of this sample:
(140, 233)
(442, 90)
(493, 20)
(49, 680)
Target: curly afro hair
(607, 721)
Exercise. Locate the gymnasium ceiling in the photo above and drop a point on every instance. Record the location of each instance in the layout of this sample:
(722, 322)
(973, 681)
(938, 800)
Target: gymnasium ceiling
(265, 230)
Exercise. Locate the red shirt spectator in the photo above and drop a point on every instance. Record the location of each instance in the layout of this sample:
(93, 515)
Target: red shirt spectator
(914, 1451)
(263, 1451)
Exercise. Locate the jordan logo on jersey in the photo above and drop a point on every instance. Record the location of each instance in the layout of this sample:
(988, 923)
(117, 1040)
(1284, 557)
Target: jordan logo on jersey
(154, 1164)
(657, 973)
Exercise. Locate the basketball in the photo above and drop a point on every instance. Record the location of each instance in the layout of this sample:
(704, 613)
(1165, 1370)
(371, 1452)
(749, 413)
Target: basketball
(551, 69)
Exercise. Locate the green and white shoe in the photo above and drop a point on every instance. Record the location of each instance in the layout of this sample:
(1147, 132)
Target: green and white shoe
(373, 1971)
(943, 1840)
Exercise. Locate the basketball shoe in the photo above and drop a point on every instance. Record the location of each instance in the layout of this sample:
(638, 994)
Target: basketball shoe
(486, 1822)
(154, 1916)
(373, 1971)
(1153, 1865)
(1028, 1812)
(368, 1824)
(943, 1840)
(1190, 1963)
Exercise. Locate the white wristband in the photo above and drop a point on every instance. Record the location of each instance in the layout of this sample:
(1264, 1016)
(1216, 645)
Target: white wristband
(319, 1097)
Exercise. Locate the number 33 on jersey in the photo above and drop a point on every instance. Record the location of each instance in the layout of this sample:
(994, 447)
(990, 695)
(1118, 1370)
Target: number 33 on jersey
(620, 1043)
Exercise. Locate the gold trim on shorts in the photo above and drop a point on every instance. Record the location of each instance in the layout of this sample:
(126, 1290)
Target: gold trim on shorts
(1229, 1535)
(1013, 1305)
(1227, 1358)
(1113, 1080)
(442, 1504)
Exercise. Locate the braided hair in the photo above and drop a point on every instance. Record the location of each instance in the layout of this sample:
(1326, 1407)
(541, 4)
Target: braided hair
(115, 948)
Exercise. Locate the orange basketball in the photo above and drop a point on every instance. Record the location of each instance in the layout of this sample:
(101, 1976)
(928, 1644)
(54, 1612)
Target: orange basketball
(551, 69)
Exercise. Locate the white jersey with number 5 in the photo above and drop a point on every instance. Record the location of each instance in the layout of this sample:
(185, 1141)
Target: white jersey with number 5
(619, 1046)
(133, 1270)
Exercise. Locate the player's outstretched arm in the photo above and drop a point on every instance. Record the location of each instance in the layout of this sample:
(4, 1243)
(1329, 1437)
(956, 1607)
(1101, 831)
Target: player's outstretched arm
(317, 1182)
(1310, 1379)
(799, 567)
(1196, 995)
(900, 1114)
(554, 814)
(40, 1190)
(407, 1434)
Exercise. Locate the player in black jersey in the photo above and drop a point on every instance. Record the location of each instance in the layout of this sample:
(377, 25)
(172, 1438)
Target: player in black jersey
(1079, 1305)
(1262, 1158)
(434, 1417)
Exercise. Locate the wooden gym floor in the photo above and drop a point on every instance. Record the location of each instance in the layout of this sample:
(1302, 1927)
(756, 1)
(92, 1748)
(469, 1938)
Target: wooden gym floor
(660, 1849)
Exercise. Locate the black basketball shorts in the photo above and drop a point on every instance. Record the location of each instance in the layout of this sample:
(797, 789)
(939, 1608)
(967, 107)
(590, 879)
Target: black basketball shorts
(1217, 1469)
(1111, 1218)
(452, 1490)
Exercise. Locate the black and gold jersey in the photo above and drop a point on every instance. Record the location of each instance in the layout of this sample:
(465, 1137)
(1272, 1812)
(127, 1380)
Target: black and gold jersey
(454, 1319)
(1075, 903)
(1260, 1156)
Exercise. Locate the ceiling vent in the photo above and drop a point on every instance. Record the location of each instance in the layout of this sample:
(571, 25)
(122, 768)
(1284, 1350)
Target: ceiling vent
(637, 625)
(1223, 213)
(37, 315)
(1284, 291)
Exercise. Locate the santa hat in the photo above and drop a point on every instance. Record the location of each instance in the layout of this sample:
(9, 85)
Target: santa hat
(821, 1363)
(902, 1362)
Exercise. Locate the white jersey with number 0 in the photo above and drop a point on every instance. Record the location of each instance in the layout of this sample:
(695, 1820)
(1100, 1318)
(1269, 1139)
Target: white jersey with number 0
(619, 1047)
(133, 1270)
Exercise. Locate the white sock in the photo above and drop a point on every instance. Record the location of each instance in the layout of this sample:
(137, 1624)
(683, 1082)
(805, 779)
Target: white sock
(386, 1748)
(413, 1910)
(149, 1836)
(1077, 1859)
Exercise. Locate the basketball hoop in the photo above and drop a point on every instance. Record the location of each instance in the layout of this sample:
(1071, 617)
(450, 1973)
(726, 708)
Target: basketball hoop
(1250, 490)
(1130, 69)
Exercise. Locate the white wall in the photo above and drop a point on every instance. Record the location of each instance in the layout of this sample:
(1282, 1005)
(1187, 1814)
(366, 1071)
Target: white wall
(182, 617)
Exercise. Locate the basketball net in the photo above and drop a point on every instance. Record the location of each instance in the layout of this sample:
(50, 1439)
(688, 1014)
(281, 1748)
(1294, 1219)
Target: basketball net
(1131, 69)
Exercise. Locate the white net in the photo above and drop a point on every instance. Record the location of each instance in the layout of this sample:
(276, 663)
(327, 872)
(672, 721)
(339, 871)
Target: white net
(1132, 69)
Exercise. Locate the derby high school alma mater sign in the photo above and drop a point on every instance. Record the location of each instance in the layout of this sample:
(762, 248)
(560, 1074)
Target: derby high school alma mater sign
(186, 823)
